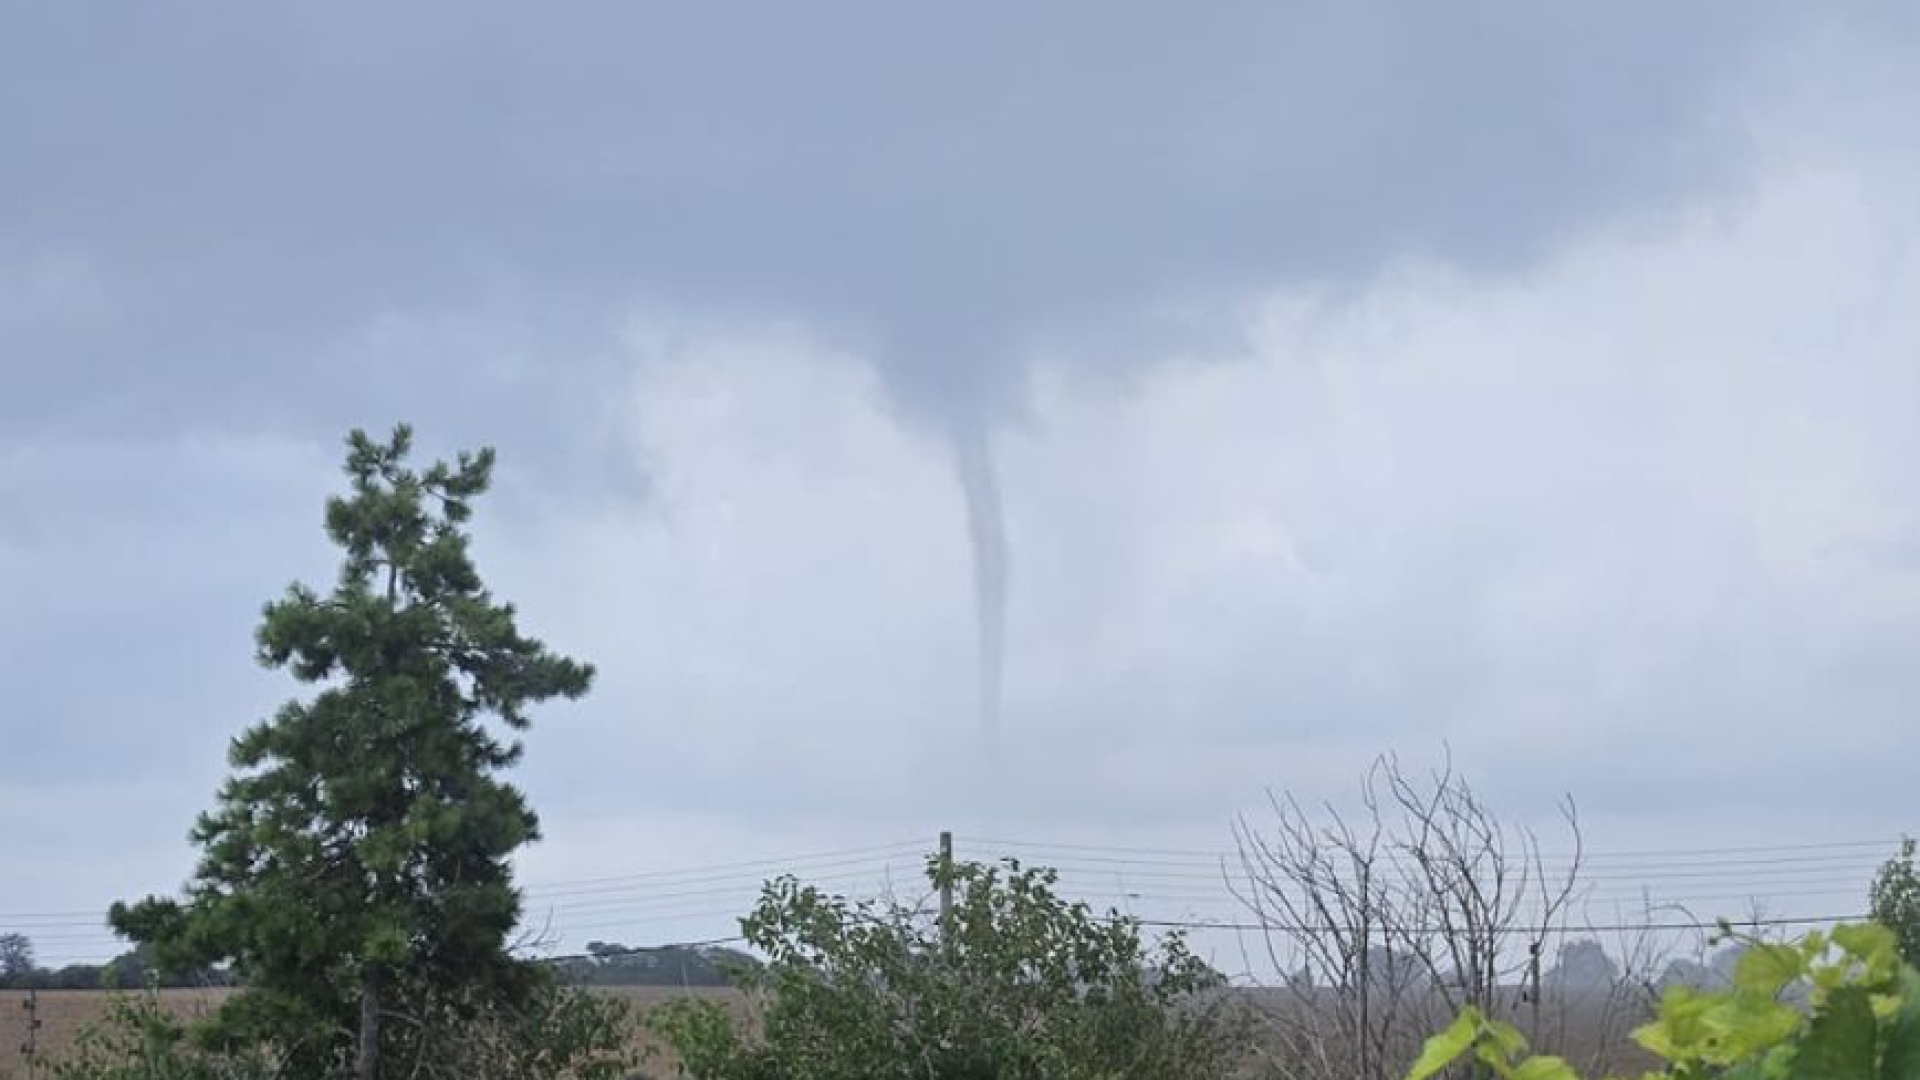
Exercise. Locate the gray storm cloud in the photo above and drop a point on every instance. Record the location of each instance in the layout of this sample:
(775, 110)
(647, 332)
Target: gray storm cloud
(245, 190)
(242, 196)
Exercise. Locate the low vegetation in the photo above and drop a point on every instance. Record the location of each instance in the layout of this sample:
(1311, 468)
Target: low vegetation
(1009, 982)
(1839, 1006)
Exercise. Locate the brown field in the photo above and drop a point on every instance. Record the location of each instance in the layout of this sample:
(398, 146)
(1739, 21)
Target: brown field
(63, 1012)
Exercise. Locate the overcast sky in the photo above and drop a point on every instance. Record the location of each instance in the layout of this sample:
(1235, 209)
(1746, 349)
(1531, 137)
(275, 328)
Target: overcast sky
(1538, 380)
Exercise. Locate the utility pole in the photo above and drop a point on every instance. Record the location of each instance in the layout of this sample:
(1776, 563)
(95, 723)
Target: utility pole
(1533, 976)
(946, 889)
(30, 1049)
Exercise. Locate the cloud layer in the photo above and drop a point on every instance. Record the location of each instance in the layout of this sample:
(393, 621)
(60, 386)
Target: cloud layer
(1538, 383)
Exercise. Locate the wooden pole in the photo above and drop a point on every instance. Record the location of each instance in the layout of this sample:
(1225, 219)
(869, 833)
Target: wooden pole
(30, 1049)
(946, 888)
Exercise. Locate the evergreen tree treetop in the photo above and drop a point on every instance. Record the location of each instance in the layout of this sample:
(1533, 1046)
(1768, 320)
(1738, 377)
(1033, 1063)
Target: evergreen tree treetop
(358, 853)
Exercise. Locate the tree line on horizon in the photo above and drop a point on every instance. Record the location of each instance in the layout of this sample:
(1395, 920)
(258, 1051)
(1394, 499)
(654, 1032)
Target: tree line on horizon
(604, 964)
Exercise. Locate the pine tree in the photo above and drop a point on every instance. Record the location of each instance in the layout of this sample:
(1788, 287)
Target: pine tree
(356, 861)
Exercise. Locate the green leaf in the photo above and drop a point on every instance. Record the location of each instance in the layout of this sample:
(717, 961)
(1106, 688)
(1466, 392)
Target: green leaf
(1445, 1048)
(1870, 943)
(1504, 1037)
(1767, 969)
(1901, 1060)
(1495, 1061)
(1839, 1044)
(1756, 1069)
(1545, 1068)
(1745, 1025)
(1680, 1027)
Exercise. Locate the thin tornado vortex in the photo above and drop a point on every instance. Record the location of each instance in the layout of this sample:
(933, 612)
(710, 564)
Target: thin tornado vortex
(987, 532)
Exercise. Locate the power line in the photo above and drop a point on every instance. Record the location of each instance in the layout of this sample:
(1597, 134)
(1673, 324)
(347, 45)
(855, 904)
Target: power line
(889, 851)
(631, 950)
(883, 892)
(1584, 856)
(1134, 900)
(616, 924)
(1305, 930)
(887, 854)
(1272, 926)
(1235, 862)
(709, 886)
(1112, 867)
(98, 918)
(735, 886)
(1160, 870)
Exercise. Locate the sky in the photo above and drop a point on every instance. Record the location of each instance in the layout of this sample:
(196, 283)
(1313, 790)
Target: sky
(1057, 424)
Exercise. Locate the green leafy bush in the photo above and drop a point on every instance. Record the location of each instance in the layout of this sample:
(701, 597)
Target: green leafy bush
(1021, 985)
(1896, 900)
(1838, 1006)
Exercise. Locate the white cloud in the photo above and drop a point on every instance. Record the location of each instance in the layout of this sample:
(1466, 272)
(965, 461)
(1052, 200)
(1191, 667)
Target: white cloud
(1641, 520)
(780, 619)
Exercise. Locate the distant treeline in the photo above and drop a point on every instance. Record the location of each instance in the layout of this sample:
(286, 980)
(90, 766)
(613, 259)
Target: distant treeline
(604, 964)
(131, 970)
(612, 964)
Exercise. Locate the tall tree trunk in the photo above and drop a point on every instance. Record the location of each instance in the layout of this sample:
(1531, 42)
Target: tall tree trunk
(366, 1061)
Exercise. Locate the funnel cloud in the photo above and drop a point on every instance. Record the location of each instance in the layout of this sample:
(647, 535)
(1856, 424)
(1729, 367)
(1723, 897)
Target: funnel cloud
(987, 534)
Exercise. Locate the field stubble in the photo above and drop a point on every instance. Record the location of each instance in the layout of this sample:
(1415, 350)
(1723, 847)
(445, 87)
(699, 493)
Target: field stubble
(64, 1012)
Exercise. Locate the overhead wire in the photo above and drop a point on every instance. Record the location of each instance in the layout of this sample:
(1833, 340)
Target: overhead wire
(843, 856)
(1583, 855)
(1141, 877)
